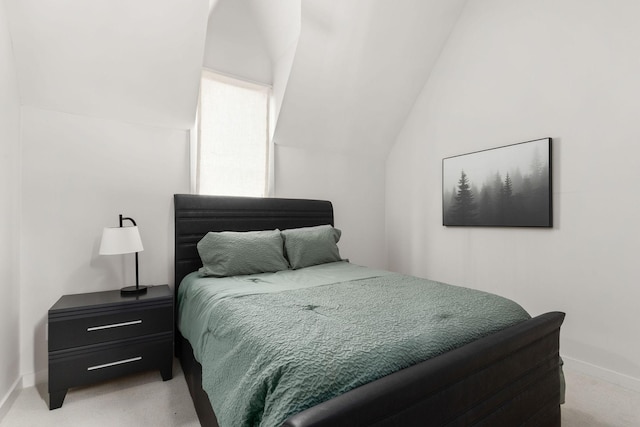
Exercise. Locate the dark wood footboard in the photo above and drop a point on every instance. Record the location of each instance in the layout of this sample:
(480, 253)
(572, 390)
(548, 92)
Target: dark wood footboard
(506, 379)
(509, 378)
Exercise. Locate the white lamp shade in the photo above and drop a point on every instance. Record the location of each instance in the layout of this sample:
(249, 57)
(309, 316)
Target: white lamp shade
(120, 240)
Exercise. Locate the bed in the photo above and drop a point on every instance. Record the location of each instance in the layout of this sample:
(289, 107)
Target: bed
(511, 377)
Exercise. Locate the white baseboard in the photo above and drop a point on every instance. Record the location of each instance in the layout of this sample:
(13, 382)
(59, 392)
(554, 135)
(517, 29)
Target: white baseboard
(12, 395)
(33, 378)
(601, 373)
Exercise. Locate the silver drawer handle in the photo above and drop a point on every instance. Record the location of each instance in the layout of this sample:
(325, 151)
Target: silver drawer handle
(119, 362)
(114, 325)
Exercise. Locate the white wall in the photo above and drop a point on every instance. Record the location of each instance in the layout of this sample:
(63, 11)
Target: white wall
(354, 182)
(280, 22)
(234, 45)
(356, 74)
(9, 214)
(126, 60)
(516, 70)
(78, 174)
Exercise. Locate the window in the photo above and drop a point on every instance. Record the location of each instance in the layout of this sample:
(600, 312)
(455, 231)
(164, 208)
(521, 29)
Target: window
(233, 138)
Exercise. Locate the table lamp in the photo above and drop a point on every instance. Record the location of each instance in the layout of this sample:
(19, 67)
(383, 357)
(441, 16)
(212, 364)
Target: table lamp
(123, 240)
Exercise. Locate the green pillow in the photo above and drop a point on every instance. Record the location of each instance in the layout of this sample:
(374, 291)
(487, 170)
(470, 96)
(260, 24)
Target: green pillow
(311, 245)
(230, 253)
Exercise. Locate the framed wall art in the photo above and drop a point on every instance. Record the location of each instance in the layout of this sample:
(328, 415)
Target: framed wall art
(508, 186)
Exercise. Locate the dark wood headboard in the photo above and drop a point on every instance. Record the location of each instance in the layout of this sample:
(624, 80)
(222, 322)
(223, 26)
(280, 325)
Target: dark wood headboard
(196, 215)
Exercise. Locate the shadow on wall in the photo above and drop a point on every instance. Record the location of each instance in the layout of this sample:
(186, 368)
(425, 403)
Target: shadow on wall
(41, 358)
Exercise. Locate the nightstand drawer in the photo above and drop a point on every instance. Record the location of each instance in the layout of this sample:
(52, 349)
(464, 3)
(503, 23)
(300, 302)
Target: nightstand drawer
(91, 327)
(86, 365)
(97, 336)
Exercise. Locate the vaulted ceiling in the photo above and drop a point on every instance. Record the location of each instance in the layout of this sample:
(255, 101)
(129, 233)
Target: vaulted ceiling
(358, 69)
(136, 61)
(345, 73)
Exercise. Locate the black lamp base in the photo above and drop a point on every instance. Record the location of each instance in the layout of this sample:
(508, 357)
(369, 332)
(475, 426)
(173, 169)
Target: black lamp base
(133, 290)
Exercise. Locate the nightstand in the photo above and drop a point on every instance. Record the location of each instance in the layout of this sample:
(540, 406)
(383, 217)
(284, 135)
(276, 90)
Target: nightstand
(102, 335)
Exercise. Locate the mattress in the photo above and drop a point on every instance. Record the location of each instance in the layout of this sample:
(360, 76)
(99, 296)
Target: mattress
(274, 344)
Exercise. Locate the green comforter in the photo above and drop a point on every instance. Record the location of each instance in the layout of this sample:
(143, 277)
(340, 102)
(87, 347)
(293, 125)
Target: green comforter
(270, 350)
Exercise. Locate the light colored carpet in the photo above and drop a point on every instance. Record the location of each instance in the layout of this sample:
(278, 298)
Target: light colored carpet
(145, 400)
(136, 400)
(595, 403)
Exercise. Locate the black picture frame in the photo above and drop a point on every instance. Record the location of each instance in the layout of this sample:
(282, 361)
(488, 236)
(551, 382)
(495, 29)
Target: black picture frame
(507, 186)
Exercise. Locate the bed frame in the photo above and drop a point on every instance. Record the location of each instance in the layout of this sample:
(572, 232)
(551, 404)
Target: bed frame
(509, 378)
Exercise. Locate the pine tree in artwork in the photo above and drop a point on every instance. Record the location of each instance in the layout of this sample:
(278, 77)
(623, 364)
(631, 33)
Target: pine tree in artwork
(507, 188)
(507, 211)
(463, 211)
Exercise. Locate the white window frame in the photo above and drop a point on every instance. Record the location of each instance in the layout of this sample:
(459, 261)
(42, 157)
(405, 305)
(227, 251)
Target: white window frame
(194, 135)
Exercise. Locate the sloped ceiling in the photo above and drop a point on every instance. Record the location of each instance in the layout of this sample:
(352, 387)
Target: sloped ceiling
(358, 69)
(279, 24)
(235, 45)
(135, 61)
(353, 67)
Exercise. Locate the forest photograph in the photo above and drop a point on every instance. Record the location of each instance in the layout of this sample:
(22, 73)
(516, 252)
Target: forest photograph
(508, 186)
